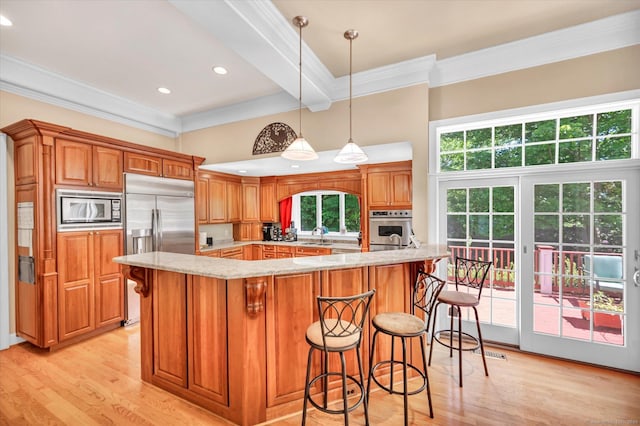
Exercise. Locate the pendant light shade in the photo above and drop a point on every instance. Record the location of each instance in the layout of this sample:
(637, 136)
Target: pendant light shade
(300, 149)
(351, 153)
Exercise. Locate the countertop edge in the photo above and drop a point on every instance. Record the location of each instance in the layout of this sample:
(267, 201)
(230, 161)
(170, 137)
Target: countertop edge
(235, 269)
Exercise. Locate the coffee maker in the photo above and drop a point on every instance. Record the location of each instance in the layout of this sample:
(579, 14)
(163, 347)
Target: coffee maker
(267, 232)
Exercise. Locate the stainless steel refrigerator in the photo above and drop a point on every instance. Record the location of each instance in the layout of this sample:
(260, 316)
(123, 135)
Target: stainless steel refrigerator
(159, 216)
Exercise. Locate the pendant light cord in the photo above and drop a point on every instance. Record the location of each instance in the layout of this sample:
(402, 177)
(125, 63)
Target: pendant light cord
(300, 87)
(350, 86)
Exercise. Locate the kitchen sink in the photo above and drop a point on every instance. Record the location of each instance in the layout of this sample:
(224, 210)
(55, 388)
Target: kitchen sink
(316, 243)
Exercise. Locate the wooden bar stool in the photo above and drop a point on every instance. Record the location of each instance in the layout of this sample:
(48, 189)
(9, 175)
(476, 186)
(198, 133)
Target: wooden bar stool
(469, 273)
(406, 326)
(338, 330)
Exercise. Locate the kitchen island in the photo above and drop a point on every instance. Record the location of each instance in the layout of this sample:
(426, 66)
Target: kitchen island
(229, 335)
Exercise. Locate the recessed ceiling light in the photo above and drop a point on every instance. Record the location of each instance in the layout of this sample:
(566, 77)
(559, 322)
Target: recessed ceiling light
(164, 90)
(295, 166)
(242, 171)
(5, 22)
(220, 70)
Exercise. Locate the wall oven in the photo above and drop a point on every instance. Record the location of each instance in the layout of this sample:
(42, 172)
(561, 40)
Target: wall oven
(77, 210)
(389, 229)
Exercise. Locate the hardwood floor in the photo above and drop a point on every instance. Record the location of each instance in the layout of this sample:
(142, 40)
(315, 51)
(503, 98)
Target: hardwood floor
(97, 383)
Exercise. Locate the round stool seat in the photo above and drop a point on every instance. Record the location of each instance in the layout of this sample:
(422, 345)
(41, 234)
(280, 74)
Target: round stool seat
(333, 343)
(458, 298)
(399, 323)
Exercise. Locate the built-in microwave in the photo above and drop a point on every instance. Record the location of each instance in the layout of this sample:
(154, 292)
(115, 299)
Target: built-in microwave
(88, 209)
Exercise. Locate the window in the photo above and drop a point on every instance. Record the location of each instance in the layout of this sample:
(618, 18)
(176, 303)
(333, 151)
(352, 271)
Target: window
(559, 138)
(338, 211)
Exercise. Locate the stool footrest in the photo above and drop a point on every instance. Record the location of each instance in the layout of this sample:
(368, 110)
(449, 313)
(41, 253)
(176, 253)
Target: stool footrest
(474, 340)
(329, 410)
(398, 392)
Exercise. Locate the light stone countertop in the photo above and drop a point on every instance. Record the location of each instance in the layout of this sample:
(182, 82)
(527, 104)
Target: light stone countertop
(232, 269)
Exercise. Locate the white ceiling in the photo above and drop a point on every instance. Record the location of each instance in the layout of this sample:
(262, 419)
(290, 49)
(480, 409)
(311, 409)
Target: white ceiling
(108, 57)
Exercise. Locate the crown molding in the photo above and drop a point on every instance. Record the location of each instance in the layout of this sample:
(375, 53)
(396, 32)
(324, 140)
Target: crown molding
(36, 83)
(591, 38)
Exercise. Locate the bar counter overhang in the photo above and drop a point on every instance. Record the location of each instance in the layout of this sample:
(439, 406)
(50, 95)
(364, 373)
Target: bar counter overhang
(229, 335)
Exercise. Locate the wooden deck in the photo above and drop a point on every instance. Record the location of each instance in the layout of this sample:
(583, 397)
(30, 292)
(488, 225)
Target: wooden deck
(97, 382)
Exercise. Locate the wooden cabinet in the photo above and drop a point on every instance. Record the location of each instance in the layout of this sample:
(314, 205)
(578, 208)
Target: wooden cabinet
(218, 200)
(287, 350)
(211, 253)
(269, 209)
(190, 335)
(268, 251)
(232, 253)
(151, 165)
(75, 291)
(311, 251)
(247, 231)
(234, 200)
(142, 164)
(251, 200)
(284, 251)
(90, 285)
(390, 189)
(83, 164)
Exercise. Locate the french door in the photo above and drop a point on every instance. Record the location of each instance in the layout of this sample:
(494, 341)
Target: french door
(580, 251)
(479, 220)
(565, 248)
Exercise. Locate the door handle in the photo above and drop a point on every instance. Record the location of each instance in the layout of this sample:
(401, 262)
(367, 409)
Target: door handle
(636, 277)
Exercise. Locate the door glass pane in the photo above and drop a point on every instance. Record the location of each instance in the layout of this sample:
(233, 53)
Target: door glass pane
(578, 273)
(481, 225)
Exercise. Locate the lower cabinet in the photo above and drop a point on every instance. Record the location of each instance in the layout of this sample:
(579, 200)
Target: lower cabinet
(90, 285)
(190, 344)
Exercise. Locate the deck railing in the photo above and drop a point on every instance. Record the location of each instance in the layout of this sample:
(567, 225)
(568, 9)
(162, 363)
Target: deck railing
(550, 268)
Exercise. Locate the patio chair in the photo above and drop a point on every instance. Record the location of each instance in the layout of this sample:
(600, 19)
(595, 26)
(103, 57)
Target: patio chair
(606, 270)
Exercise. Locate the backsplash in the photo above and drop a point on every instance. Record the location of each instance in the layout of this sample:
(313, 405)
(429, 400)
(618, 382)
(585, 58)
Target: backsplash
(221, 232)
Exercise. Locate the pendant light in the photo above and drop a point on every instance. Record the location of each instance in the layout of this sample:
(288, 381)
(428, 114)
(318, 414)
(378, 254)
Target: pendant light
(351, 153)
(300, 150)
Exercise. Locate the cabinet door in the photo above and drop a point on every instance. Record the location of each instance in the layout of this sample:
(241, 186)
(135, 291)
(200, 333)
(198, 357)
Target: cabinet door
(401, 189)
(142, 164)
(378, 186)
(250, 202)
(170, 327)
(177, 169)
(107, 168)
(234, 200)
(207, 344)
(109, 283)
(268, 202)
(73, 163)
(202, 199)
(217, 201)
(75, 284)
(287, 349)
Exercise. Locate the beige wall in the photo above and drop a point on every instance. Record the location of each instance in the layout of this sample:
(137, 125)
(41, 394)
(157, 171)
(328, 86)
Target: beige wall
(609, 72)
(400, 115)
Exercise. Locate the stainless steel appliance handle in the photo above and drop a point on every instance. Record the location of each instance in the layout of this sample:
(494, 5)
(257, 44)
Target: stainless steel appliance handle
(159, 223)
(154, 230)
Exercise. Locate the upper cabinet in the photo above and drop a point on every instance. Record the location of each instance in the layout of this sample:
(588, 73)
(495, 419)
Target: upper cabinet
(155, 166)
(83, 164)
(268, 201)
(218, 198)
(389, 185)
(251, 199)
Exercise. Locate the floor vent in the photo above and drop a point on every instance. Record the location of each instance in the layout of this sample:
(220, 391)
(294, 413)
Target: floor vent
(491, 354)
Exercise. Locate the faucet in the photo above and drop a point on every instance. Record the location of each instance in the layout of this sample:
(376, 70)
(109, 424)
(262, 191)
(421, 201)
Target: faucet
(323, 230)
(392, 236)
